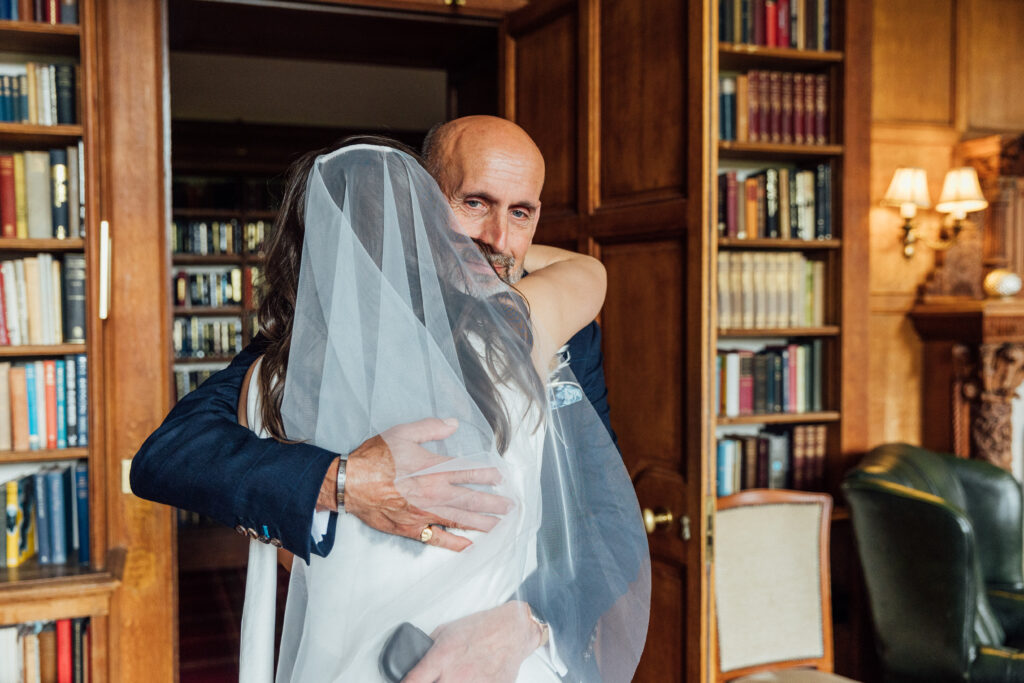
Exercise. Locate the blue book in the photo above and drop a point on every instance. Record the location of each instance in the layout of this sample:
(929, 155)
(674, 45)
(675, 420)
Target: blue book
(726, 465)
(42, 517)
(82, 399)
(33, 408)
(58, 515)
(70, 398)
(727, 109)
(82, 504)
(62, 423)
(71, 513)
(16, 113)
(24, 98)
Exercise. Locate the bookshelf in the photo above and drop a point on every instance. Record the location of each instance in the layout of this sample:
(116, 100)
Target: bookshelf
(37, 591)
(785, 108)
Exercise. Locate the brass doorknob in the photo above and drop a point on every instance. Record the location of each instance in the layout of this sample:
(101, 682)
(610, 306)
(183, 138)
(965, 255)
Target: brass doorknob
(658, 517)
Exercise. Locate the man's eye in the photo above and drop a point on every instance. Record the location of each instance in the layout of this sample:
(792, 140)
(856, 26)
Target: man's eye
(519, 213)
(473, 203)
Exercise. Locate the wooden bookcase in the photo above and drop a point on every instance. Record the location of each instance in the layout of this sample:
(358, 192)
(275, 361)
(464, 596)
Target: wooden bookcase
(33, 592)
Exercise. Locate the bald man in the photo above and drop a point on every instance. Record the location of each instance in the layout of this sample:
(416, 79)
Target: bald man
(200, 459)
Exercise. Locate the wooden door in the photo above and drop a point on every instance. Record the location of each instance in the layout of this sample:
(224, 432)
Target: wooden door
(613, 93)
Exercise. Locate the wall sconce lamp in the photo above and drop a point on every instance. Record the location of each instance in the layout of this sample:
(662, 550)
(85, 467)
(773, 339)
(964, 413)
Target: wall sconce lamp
(909, 191)
(961, 195)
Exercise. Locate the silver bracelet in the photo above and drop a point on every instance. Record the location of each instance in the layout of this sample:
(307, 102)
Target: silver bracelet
(341, 485)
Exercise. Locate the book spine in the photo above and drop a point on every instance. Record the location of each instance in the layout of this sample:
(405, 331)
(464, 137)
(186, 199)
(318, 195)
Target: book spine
(61, 403)
(31, 400)
(82, 501)
(5, 336)
(19, 408)
(42, 517)
(81, 188)
(74, 211)
(71, 512)
(8, 201)
(20, 197)
(59, 192)
(13, 531)
(38, 185)
(58, 515)
(771, 23)
(810, 107)
(754, 106)
(78, 649)
(747, 21)
(819, 201)
(775, 100)
(742, 108)
(74, 298)
(82, 399)
(771, 198)
(50, 383)
(70, 396)
(758, 20)
(40, 402)
(731, 203)
(786, 121)
(69, 12)
(783, 23)
(820, 109)
(727, 109)
(64, 647)
(746, 383)
(64, 84)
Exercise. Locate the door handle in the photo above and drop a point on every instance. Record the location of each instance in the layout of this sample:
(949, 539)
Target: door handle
(656, 518)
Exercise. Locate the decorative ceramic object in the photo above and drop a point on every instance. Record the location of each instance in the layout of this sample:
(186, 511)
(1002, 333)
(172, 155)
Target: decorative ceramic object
(1002, 283)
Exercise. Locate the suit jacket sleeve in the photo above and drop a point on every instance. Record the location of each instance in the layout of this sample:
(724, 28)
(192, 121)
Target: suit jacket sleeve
(200, 459)
(587, 363)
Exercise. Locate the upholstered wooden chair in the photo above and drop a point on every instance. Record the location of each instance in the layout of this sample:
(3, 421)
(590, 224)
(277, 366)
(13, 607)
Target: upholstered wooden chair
(773, 616)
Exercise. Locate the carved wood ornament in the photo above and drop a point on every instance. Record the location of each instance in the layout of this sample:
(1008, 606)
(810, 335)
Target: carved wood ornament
(988, 381)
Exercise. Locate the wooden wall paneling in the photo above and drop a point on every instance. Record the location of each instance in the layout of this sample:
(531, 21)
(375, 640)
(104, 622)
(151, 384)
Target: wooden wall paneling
(643, 101)
(990, 50)
(135, 376)
(913, 65)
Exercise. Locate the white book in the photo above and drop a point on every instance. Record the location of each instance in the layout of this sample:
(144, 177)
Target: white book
(747, 288)
(795, 271)
(19, 279)
(732, 384)
(736, 288)
(782, 289)
(10, 654)
(819, 294)
(56, 288)
(74, 219)
(11, 317)
(52, 85)
(43, 95)
(724, 307)
(45, 312)
(760, 289)
(5, 407)
(38, 185)
(801, 378)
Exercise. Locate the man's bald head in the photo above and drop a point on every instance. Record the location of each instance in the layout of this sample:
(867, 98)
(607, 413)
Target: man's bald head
(492, 173)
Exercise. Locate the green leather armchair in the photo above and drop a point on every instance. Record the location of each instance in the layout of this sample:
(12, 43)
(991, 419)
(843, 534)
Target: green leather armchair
(940, 542)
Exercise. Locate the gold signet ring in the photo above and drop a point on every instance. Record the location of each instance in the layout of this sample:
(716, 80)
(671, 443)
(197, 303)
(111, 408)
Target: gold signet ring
(426, 534)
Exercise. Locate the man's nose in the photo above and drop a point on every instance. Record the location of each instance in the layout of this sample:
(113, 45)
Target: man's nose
(496, 232)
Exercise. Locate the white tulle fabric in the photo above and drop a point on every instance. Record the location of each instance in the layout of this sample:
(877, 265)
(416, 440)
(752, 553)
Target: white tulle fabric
(394, 307)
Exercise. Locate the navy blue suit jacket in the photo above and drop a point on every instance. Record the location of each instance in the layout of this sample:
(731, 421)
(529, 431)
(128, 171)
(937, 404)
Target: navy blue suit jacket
(200, 459)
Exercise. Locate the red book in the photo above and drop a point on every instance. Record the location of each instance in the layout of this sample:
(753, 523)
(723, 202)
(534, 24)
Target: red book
(771, 23)
(746, 382)
(820, 109)
(787, 108)
(799, 457)
(50, 383)
(783, 13)
(775, 99)
(799, 137)
(754, 106)
(791, 407)
(64, 668)
(732, 204)
(765, 110)
(5, 337)
(53, 11)
(809, 109)
(8, 206)
(758, 11)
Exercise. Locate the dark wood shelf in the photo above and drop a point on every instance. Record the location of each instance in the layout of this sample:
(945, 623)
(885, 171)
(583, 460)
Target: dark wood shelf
(209, 311)
(29, 244)
(225, 214)
(731, 149)
(28, 135)
(775, 243)
(210, 259)
(34, 592)
(205, 548)
(740, 56)
(7, 457)
(26, 350)
(39, 37)
(780, 418)
(206, 359)
(824, 331)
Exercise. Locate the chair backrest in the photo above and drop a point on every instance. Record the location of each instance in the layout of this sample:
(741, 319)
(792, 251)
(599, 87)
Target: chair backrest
(771, 582)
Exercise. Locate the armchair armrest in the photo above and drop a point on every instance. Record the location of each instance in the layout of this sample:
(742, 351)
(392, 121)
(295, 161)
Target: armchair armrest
(1008, 604)
(993, 499)
(917, 553)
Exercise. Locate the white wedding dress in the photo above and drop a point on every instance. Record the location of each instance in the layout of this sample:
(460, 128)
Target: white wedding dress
(365, 565)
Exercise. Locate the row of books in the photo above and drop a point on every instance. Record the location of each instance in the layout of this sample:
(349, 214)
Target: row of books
(777, 379)
(196, 337)
(770, 290)
(44, 404)
(41, 94)
(42, 193)
(210, 286)
(777, 202)
(791, 458)
(781, 107)
(49, 11)
(797, 24)
(188, 379)
(46, 652)
(48, 516)
(218, 237)
(42, 300)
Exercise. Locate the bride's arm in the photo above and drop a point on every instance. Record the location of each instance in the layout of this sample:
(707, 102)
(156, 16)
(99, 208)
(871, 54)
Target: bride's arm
(565, 291)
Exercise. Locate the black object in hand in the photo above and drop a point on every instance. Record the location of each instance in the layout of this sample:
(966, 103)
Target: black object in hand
(402, 651)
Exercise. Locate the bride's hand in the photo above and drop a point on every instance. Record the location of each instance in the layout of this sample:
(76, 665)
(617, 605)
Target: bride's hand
(486, 646)
(406, 506)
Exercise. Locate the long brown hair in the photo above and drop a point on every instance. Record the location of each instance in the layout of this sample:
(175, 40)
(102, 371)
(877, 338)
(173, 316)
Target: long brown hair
(505, 362)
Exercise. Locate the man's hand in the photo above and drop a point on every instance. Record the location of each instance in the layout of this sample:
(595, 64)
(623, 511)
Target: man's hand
(486, 646)
(384, 492)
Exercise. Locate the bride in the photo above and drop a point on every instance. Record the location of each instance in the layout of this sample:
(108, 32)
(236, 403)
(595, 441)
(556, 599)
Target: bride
(393, 315)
